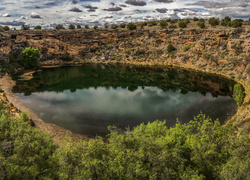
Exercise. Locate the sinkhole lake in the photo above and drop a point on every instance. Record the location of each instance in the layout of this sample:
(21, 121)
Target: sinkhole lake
(87, 99)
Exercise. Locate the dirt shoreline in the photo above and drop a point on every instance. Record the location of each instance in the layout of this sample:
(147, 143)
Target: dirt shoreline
(60, 134)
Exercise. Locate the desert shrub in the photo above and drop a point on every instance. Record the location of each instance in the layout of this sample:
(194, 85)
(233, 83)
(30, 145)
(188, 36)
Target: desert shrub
(131, 26)
(206, 55)
(172, 26)
(6, 28)
(114, 26)
(171, 48)
(59, 26)
(44, 50)
(201, 23)
(235, 23)
(38, 27)
(238, 94)
(72, 26)
(186, 48)
(66, 57)
(78, 26)
(25, 27)
(195, 19)
(152, 23)
(248, 68)
(213, 21)
(30, 57)
(123, 25)
(86, 26)
(182, 24)
(225, 21)
(163, 24)
(95, 27)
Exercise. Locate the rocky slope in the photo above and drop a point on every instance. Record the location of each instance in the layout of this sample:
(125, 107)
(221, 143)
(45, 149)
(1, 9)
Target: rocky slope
(218, 50)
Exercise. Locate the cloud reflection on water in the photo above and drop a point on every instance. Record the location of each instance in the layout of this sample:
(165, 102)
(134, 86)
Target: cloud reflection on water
(90, 111)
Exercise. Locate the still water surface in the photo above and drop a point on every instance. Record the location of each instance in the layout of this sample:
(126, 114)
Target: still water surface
(87, 99)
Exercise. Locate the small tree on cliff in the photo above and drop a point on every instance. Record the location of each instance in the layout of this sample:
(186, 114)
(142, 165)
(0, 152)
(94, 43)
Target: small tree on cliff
(72, 26)
(213, 21)
(60, 26)
(30, 57)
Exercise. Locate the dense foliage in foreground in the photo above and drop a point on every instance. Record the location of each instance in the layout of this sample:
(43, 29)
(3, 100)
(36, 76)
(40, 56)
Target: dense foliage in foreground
(202, 149)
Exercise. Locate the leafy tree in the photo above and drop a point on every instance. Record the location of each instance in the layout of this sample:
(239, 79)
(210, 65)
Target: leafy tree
(123, 25)
(25, 27)
(95, 27)
(38, 27)
(131, 26)
(163, 24)
(86, 26)
(78, 26)
(238, 94)
(30, 57)
(171, 48)
(213, 21)
(225, 21)
(60, 26)
(72, 26)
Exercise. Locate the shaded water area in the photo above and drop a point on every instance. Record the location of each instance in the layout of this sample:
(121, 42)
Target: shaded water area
(87, 99)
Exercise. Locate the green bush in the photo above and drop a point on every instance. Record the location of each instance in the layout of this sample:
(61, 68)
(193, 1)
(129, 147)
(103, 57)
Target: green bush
(25, 27)
(201, 23)
(195, 19)
(72, 26)
(95, 27)
(186, 48)
(78, 26)
(123, 25)
(114, 26)
(171, 48)
(59, 26)
(182, 24)
(30, 57)
(225, 21)
(152, 23)
(86, 26)
(66, 57)
(6, 28)
(131, 26)
(163, 24)
(248, 68)
(25, 151)
(38, 27)
(238, 94)
(213, 21)
(235, 23)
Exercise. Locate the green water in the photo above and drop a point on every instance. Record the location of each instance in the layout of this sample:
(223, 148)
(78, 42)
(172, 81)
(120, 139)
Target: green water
(87, 99)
